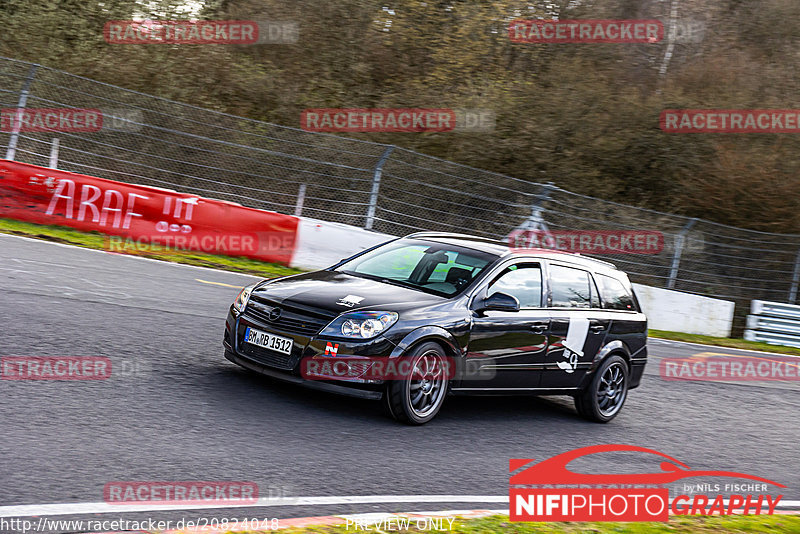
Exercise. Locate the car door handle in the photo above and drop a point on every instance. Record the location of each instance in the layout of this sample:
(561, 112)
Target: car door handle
(597, 328)
(539, 328)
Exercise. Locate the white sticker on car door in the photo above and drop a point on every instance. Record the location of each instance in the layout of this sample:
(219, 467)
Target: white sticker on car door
(573, 345)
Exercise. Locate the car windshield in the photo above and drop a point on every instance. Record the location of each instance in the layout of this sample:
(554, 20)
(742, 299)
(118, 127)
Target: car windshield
(437, 268)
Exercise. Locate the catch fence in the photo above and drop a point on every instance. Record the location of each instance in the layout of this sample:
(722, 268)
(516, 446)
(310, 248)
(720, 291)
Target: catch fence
(158, 142)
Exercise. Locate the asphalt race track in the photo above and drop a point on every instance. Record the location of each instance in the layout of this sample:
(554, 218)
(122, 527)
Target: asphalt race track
(178, 411)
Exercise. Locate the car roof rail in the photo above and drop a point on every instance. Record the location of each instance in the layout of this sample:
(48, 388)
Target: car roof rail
(573, 257)
(591, 258)
(454, 235)
(469, 237)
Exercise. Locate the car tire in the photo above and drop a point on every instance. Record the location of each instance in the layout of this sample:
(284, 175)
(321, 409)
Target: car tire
(418, 397)
(603, 399)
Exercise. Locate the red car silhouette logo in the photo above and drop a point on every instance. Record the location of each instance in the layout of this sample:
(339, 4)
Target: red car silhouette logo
(554, 470)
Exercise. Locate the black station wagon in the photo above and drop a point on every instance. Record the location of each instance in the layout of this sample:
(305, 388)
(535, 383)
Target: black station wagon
(448, 314)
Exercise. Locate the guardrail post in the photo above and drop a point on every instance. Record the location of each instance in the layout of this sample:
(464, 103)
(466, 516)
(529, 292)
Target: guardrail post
(54, 154)
(795, 280)
(676, 255)
(23, 101)
(301, 198)
(376, 183)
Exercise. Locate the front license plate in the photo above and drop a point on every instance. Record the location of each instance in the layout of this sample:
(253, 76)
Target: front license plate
(265, 340)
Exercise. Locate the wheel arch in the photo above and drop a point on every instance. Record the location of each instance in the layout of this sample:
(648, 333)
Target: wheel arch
(615, 347)
(424, 334)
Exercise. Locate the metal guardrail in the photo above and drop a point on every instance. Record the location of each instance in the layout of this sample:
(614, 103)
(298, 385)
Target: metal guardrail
(772, 338)
(774, 322)
(775, 309)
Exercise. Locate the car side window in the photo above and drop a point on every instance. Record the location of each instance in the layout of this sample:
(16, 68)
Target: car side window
(521, 281)
(614, 293)
(569, 287)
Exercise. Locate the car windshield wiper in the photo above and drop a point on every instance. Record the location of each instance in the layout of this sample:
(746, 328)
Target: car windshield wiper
(383, 279)
(399, 283)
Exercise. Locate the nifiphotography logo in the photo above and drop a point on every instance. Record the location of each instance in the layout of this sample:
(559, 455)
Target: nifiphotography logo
(549, 491)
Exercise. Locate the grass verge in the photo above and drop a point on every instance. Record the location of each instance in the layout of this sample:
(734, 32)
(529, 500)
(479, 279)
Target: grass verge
(733, 343)
(778, 524)
(96, 240)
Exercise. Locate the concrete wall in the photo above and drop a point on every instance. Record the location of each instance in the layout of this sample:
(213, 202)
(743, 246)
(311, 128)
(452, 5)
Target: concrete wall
(683, 312)
(320, 244)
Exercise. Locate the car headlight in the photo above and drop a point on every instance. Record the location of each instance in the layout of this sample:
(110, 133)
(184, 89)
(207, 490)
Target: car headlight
(360, 324)
(244, 295)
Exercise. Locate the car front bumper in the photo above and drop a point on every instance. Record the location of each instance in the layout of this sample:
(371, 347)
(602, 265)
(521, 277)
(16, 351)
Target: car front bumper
(327, 386)
(289, 369)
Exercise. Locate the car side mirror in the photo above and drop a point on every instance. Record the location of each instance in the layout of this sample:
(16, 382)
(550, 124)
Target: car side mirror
(497, 302)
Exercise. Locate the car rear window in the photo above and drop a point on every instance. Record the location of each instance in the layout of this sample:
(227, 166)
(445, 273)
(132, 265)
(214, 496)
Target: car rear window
(614, 294)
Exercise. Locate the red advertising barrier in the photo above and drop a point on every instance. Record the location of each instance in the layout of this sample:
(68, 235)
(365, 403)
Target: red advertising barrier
(155, 217)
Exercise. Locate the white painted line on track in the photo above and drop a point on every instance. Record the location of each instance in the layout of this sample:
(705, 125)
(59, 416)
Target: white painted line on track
(671, 342)
(140, 258)
(24, 510)
(27, 510)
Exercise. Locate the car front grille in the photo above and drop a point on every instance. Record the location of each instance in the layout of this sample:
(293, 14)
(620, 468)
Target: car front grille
(291, 320)
(266, 357)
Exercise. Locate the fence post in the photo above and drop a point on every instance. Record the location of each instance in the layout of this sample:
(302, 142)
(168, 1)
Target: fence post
(535, 221)
(23, 100)
(54, 154)
(376, 183)
(301, 198)
(795, 280)
(676, 255)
